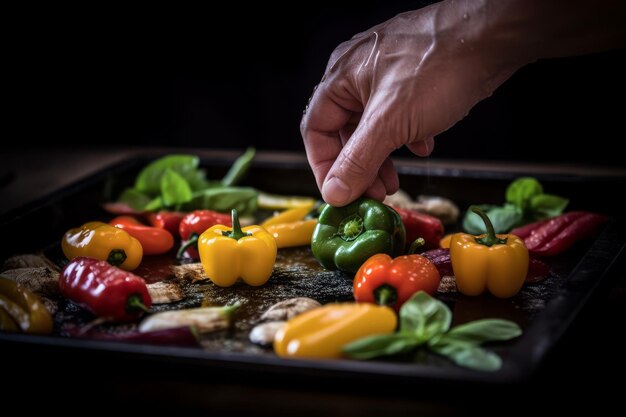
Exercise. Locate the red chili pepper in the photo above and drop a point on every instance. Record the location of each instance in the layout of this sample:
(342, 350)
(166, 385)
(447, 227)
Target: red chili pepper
(560, 233)
(105, 290)
(194, 224)
(154, 241)
(168, 220)
(421, 225)
(384, 281)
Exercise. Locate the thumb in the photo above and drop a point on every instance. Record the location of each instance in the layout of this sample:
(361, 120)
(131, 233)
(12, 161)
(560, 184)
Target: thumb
(357, 166)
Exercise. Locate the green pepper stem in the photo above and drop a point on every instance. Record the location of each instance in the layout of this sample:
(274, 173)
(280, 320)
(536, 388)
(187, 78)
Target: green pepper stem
(192, 242)
(417, 243)
(386, 295)
(490, 239)
(116, 257)
(237, 233)
(135, 303)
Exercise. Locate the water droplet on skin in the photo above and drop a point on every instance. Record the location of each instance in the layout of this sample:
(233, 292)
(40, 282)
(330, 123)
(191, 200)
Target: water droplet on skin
(465, 16)
(462, 40)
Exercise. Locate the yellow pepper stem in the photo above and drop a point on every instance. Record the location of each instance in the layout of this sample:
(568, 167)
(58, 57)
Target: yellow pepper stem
(236, 233)
(116, 257)
(490, 238)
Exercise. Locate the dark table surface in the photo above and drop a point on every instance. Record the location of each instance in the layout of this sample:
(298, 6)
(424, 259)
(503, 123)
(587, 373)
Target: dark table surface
(578, 372)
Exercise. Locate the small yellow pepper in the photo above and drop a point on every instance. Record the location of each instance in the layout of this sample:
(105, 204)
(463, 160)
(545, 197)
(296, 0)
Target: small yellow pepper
(497, 263)
(229, 254)
(104, 242)
(20, 309)
(445, 241)
(322, 333)
(289, 216)
(292, 234)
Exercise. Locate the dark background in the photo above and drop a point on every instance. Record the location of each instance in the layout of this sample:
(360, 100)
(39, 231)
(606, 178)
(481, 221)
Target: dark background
(241, 76)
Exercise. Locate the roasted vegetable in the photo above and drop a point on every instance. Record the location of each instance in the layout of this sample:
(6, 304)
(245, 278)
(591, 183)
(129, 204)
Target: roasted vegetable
(104, 242)
(497, 263)
(345, 237)
(23, 310)
(321, 333)
(229, 254)
(105, 290)
(204, 319)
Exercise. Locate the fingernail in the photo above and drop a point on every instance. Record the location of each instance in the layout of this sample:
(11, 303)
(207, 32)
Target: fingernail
(336, 192)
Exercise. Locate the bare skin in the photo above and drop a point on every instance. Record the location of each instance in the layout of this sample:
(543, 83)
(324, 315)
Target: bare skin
(405, 81)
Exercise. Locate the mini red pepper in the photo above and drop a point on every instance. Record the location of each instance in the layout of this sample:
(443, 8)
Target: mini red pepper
(196, 223)
(390, 282)
(420, 225)
(105, 290)
(168, 220)
(154, 241)
(555, 236)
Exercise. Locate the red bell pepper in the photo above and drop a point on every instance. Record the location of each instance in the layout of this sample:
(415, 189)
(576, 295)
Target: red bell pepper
(421, 225)
(391, 282)
(105, 290)
(555, 236)
(154, 241)
(193, 225)
(168, 220)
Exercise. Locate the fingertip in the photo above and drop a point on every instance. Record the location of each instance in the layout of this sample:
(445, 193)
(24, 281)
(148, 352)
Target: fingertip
(422, 147)
(336, 192)
(377, 190)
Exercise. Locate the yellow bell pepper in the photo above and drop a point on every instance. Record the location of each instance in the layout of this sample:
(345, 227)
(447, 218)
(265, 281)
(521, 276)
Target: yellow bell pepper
(445, 241)
(229, 254)
(497, 263)
(322, 333)
(104, 242)
(281, 202)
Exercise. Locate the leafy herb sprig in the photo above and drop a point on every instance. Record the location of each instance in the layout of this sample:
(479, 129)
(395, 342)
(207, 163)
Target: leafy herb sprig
(525, 203)
(177, 182)
(425, 323)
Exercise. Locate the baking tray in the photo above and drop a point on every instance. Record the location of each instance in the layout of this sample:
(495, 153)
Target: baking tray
(545, 311)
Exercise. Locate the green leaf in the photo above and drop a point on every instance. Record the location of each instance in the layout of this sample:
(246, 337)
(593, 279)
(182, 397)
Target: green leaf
(197, 180)
(472, 357)
(155, 204)
(424, 316)
(174, 188)
(547, 205)
(503, 219)
(224, 199)
(149, 179)
(481, 331)
(239, 168)
(135, 199)
(380, 345)
(522, 190)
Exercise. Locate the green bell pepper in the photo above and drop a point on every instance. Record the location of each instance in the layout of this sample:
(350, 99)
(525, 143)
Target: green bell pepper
(345, 237)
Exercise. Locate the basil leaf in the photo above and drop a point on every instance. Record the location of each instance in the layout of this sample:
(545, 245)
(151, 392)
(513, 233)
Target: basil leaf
(224, 199)
(522, 190)
(380, 345)
(503, 219)
(197, 180)
(481, 331)
(547, 205)
(149, 179)
(155, 204)
(135, 199)
(424, 316)
(174, 188)
(239, 168)
(472, 357)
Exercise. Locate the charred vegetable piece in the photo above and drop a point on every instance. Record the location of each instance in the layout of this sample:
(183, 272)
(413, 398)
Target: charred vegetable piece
(105, 290)
(24, 308)
(288, 309)
(165, 292)
(263, 334)
(204, 319)
(104, 242)
(29, 260)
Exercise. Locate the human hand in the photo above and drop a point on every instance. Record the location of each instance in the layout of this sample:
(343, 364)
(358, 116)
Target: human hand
(399, 83)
